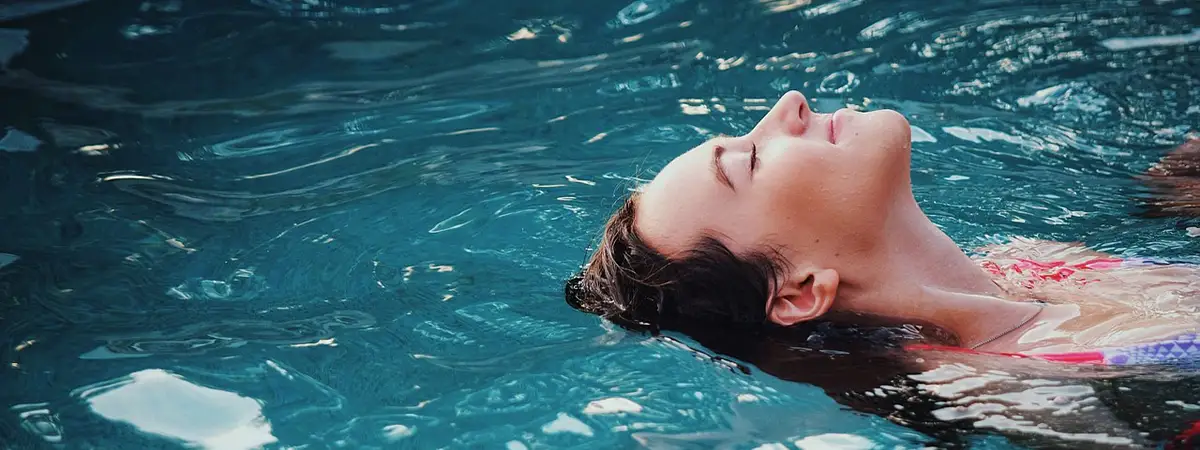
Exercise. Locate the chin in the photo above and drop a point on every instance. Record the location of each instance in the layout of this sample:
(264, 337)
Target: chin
(892, 144)
(885, 131)
(892, 123)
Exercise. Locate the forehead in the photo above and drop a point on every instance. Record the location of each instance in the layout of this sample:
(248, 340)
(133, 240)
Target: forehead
(687, 164)
(672, 210)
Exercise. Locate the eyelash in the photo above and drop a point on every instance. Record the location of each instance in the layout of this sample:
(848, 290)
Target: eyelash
(753, 157)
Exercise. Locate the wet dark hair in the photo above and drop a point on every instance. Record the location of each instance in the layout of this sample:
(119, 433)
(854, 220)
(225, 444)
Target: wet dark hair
(632, 284)
(718, 298)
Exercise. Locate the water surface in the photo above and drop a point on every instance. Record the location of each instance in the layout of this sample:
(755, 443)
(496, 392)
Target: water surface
(345, 223)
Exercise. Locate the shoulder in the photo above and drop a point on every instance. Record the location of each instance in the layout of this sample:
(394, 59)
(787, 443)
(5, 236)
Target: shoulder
(1046, 270)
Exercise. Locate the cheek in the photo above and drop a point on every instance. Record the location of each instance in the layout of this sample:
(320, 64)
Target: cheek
(890, 140)
(879, 152)
(797, 184)
(825, 187)
(802, 172)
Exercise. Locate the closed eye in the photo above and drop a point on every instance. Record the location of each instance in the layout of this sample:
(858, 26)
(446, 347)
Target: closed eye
(718, 169)
(753, 157)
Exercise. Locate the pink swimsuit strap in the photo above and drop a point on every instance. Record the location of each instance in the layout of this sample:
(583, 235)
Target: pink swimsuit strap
(1091, 357)
(1056, 270)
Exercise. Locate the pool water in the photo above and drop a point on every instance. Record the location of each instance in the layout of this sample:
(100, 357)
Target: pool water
(345, 223)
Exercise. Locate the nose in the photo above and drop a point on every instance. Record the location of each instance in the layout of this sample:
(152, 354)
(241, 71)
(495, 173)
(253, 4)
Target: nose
(789, 115)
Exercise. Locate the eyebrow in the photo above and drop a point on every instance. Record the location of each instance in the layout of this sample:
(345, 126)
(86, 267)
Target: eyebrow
(718, 169)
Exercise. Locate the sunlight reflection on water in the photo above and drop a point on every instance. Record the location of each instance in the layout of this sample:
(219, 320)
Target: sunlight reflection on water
(346, 222)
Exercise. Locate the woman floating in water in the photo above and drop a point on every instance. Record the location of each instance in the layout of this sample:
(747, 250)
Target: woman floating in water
(811, 217)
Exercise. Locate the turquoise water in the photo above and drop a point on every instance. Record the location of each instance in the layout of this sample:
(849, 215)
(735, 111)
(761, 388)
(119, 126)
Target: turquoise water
(345, 224)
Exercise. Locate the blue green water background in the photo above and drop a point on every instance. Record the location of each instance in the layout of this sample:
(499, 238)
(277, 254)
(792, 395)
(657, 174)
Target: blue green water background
(345, 223)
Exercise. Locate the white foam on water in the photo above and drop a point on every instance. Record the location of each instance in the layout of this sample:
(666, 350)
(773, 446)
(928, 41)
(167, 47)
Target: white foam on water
(747, 398)
(832, 441)
(159, 402)
(979, 135)
(614, 405)
(920, 135)
(567, 424)
(397, 432)
(1132, 43)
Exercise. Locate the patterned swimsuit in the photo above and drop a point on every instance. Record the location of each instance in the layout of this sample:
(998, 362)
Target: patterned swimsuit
(1182, 350)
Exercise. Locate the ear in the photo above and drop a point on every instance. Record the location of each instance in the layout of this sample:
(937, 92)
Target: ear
(805, 296)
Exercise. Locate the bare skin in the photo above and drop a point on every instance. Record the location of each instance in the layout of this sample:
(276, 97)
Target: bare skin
(832, 193)
(1115, 306)
(834, 196)
(1175, 183)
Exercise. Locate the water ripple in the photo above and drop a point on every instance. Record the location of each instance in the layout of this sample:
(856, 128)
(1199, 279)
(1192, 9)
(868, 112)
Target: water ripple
(194, 180)
(18, 9)
(642, 10)
(1002, 401)
(199, 416)
(384, 89)
(327, 9)
(204, 337)
(12, 43)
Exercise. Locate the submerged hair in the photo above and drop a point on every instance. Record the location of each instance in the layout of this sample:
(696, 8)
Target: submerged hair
(629, 282)
(719, 298)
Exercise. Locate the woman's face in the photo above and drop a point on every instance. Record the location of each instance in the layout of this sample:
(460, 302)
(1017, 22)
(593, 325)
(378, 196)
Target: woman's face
(817, 181)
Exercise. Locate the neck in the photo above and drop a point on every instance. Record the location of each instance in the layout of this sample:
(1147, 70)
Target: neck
(975, 320)
(919, 275)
